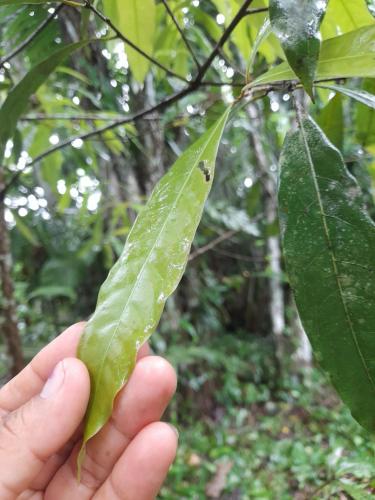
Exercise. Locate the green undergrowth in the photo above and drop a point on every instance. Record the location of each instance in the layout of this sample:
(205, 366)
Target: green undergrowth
(293, 441)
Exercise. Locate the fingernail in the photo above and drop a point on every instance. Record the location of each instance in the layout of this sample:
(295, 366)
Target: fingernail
(55, 381)
(174, 429)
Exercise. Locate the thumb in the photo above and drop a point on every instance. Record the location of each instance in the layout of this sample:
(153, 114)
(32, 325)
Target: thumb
(39, 428)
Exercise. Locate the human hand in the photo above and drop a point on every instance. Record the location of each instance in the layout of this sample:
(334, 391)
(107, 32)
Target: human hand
(41, 430)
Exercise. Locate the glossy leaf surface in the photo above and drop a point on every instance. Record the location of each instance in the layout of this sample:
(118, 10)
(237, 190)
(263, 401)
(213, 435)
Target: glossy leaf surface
(329, 248)
(136, 20)
(296, 25)
(132, 298)
(359, 95)
(347, 56)
(16, 102)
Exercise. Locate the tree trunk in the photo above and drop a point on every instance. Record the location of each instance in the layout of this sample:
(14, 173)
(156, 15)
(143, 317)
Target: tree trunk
(276, 292)
(8, 317)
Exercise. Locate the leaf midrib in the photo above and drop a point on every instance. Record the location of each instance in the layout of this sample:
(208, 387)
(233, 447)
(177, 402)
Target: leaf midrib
(146, 261)
(333, 256)
(321, 61)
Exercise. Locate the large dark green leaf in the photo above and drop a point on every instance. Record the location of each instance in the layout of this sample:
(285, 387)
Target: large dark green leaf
(296, 25)
(16, 102)
(132, 298)
(329, 248)
(347, 56)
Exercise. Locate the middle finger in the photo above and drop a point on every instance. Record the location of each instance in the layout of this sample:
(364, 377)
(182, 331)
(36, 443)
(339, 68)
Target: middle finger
(141, 402)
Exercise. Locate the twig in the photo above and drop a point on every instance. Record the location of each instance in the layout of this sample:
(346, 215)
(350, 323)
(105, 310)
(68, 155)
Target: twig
(212, 244)
(126, 40)
(238, 256)
(222, 84)
(180, 30)
(192, 87)
(31, 37)
(40, 116)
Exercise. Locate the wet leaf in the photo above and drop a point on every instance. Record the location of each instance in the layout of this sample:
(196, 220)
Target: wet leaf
(296, 24)
(17, 100)
(329, 248)
(359, 95)
(347, 56)
(264, 31)
(132, 298)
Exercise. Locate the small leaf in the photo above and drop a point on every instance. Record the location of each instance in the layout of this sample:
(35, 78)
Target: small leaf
(347, 56)
(26, 232)
(262, 35)
(329, 248)
(296, 25)
(16, 102)
(359, 95)
(132, 298)
(355, 491)
(136, 20)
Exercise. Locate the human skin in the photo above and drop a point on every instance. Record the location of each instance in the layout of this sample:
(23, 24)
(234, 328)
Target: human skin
(41, 413)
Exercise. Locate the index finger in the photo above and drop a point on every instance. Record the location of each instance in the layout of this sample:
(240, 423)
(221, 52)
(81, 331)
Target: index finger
(31, 379)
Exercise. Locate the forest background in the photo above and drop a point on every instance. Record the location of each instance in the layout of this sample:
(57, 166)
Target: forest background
(257, 418)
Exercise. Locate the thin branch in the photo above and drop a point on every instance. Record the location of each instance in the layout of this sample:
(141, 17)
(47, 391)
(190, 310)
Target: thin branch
(190, 88)
(200, 251)
(40, 116)
(180, 30)
(222, 84)
(250, 12)
(237, 18)
(163, 104)
(31, 37)
(126, 40)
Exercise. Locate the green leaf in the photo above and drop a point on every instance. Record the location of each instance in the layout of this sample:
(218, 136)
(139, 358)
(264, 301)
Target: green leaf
(359, 95)
(355, 491)
(53, 291)
(136, 20)
(365, 120)
(331, 120)
(26, 232)
(343, 16)
(17, 100)
(132, 298)
(296, 25)
(347, 56)
(329, 248)
(262, 35)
